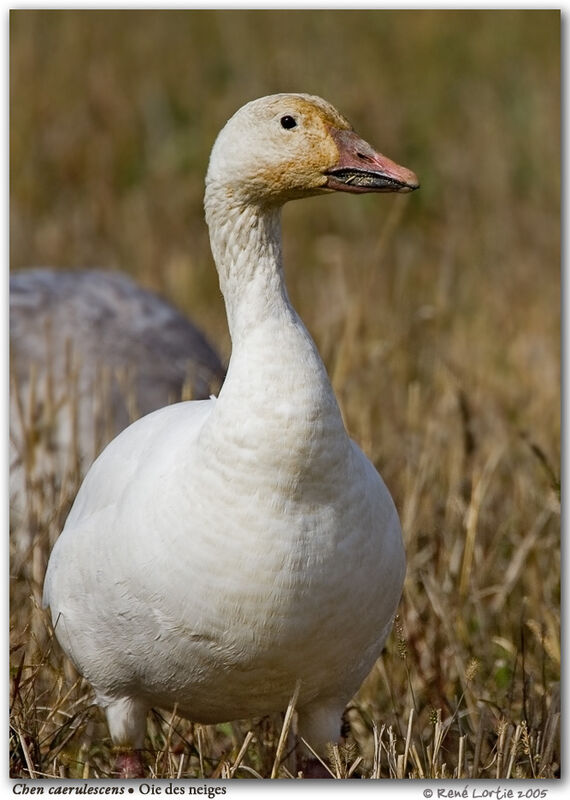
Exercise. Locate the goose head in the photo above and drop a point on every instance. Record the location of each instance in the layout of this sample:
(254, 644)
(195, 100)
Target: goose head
(287, 146)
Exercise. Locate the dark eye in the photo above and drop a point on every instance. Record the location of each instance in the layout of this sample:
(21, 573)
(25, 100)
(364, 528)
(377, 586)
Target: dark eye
(288, 122)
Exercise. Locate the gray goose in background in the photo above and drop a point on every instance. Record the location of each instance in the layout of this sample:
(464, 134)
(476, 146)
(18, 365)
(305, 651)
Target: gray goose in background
(90, 351)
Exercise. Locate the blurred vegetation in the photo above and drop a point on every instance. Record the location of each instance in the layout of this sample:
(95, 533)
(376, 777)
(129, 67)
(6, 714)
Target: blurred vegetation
(437, 314)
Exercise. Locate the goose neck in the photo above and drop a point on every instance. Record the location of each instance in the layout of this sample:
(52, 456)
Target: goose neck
(246, 245)
(275, 375)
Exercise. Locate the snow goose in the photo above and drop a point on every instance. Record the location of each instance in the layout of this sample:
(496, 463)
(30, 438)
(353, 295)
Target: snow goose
(222, 552)
(90, 351)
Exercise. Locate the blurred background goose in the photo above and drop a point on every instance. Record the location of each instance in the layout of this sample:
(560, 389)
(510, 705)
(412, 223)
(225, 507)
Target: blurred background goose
(90, 352)
(222, 553)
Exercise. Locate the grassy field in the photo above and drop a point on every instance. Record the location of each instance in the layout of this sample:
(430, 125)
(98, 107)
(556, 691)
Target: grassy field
(437, 315)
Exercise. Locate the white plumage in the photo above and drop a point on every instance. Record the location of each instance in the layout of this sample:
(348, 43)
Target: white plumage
(221, 551)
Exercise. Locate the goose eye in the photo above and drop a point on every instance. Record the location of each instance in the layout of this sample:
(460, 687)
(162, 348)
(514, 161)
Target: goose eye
(288, 122)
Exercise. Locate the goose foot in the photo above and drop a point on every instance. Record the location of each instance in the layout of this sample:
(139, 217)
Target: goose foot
(129, 764)
(312, 768)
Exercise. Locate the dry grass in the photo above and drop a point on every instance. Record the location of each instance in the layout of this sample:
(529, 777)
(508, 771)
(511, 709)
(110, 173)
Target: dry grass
(437, 316)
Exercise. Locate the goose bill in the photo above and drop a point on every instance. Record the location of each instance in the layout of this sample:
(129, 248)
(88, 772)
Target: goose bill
(361, 169)
(358, 180)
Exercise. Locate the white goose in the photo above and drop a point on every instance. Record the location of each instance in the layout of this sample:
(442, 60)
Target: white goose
(221, 552)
